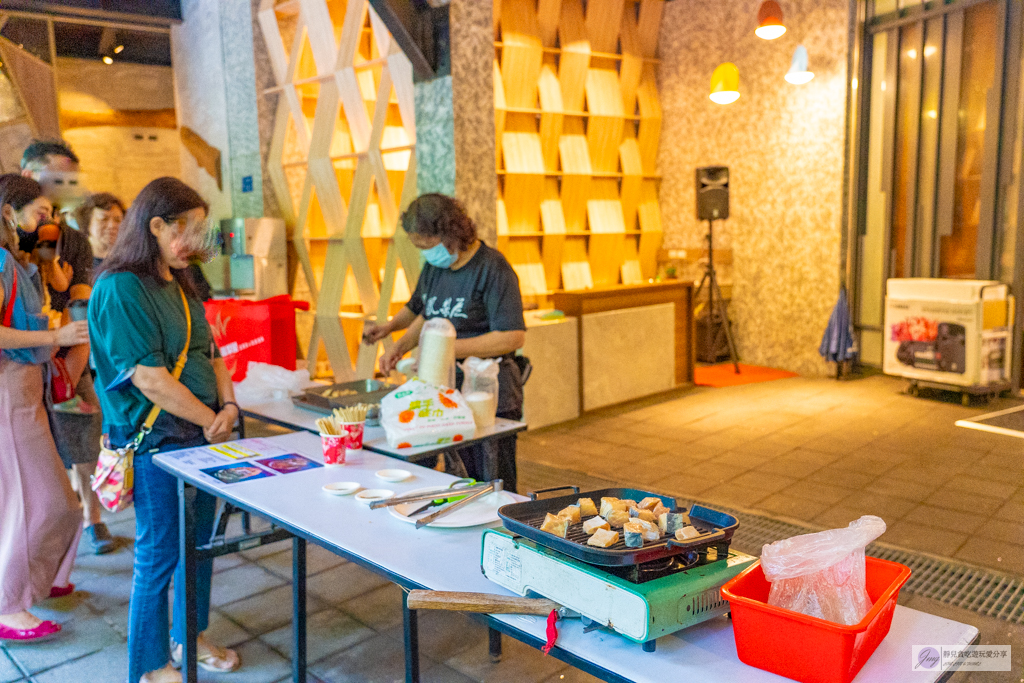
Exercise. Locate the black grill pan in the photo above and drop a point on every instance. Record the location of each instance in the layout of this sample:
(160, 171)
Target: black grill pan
(525, 519)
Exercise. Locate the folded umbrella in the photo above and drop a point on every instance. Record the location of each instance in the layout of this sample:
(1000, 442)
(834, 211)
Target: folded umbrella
(838, 343)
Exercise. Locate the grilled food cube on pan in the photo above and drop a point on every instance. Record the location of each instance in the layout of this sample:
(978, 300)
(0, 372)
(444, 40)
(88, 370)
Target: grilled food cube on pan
(587, 507)
(633, 534)
(556, 525)
(572, 513)
(595, 523)
(686, 533)
(603, 538)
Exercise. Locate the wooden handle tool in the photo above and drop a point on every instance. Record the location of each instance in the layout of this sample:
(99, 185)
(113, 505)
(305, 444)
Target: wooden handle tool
(484, 603)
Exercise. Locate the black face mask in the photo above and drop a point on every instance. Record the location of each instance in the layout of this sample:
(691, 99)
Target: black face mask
(27, 240)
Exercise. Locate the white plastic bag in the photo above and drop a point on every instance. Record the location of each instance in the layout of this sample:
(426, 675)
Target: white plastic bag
(822, 575)
(480, 387)
(421, 414)
(436, 363)
(265, 382)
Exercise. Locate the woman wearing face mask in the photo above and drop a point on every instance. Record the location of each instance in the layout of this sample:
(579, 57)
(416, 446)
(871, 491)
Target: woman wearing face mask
(40, 519)
(138, 326)
(474, 287)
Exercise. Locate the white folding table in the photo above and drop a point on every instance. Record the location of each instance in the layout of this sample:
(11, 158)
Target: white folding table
(449, 560)
(284, 413)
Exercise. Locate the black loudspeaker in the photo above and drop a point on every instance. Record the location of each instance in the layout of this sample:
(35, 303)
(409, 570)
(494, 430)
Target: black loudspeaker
(712, 193)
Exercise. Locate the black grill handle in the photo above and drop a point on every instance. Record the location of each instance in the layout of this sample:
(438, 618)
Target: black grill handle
(534, 494)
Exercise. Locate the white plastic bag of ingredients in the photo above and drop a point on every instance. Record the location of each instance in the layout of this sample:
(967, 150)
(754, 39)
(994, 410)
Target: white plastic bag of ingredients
(480, 388)
(421, 414)
(265, 382)
(822, 575)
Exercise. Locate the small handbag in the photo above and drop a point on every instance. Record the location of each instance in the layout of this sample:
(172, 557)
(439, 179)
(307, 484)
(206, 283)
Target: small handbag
(61, 387)
(114, 479)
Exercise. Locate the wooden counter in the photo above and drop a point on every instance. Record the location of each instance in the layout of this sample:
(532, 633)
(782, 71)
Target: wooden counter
(680, 294)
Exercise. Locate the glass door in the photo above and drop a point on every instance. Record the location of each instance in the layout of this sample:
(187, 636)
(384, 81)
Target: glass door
(929, 161)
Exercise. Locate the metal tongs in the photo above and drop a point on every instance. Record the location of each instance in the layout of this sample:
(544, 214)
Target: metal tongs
(471, 493)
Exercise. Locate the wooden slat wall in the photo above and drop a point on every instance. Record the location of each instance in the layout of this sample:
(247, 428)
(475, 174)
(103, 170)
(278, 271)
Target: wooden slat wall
(578, 120)
(342, 164)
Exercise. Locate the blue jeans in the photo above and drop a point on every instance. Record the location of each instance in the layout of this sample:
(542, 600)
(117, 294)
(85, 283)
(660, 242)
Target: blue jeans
(156, 561)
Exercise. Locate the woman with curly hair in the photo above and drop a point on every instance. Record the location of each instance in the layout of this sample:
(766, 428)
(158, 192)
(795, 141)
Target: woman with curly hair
(474, 287)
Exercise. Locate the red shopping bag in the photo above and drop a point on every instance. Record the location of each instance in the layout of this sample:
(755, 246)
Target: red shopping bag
(260, 331)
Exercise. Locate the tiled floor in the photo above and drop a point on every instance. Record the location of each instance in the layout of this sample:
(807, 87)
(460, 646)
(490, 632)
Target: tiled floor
(820, 452)
(816, 451)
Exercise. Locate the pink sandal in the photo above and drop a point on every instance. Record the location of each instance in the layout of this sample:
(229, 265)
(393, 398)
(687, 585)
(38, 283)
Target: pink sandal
(45, 630)
(60, 592)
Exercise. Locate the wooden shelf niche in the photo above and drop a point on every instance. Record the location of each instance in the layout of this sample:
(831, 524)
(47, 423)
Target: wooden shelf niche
(577, 118)
(342, 165)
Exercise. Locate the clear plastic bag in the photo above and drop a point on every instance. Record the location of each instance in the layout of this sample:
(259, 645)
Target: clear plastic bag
(436, 363)
(265, 382)
(822, 575)
(480, 388)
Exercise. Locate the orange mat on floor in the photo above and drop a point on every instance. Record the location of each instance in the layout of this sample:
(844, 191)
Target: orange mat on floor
(724, 375)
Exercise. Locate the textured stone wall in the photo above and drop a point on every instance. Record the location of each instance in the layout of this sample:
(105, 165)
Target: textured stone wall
(435, 137)
(784, 148)
(472, 46)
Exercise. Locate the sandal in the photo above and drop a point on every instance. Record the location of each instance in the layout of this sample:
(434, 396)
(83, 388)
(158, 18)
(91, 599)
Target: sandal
(209, 658)
(164, 675)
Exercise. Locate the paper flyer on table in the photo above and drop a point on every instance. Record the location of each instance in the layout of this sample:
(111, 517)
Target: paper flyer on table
(220, 454)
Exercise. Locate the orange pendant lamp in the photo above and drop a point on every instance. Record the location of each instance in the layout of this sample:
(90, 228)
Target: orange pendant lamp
(769, 21)
(725, 84)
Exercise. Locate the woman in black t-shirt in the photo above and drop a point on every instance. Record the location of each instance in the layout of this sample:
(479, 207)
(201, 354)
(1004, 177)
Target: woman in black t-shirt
(474, 287)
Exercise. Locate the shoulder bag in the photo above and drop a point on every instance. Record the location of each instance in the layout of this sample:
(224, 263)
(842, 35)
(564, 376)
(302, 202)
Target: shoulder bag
(114, 479)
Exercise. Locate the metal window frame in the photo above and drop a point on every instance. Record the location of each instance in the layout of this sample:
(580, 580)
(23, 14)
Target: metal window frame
(916, 85)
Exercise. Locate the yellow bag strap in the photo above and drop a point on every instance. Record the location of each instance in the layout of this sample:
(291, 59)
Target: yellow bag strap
(178, 367)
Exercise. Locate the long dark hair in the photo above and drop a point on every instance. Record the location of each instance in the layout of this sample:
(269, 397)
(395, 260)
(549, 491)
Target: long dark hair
(136, 249)
(19, 192)
(438, 215)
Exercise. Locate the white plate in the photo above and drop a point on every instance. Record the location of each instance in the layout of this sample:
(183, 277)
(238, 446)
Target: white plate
(480, 511)
(373, 495)
(342, 488)
(393, 475)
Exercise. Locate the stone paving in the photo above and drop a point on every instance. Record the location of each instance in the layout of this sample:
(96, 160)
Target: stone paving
(814, 451)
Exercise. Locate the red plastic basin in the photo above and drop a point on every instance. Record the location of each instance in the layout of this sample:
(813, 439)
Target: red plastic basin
(804, 648)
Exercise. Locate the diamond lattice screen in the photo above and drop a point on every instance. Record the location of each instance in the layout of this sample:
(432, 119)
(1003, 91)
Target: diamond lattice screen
(342, 164)
(577, 122)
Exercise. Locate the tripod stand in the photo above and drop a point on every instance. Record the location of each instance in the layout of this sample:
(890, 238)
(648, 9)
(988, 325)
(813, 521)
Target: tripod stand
(716, 307)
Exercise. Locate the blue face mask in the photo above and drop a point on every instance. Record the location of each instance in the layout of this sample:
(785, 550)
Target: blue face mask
(439, 256)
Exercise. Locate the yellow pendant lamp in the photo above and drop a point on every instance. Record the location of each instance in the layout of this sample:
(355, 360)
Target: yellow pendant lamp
(769, 21)
(725, 84)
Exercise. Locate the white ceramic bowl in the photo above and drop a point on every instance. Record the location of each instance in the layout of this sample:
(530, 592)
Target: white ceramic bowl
(393, 475)
(373, 495)
(342, 488)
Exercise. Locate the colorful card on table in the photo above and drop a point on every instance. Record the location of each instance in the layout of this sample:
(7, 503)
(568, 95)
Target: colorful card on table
(292, 462)
(233, 474)
(234, 451)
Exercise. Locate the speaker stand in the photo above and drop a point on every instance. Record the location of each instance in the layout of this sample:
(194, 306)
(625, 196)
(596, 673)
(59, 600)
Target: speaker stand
(716, 303)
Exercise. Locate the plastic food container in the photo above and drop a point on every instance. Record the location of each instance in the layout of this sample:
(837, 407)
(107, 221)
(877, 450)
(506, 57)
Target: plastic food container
(804, 648)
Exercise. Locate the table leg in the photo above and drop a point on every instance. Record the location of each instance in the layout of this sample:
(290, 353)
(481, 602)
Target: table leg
(494, 644)
(299, 610)
(412, 641)
(187, 553)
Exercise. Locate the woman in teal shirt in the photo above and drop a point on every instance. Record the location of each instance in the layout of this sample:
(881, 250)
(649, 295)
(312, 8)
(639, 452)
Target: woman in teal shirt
(137, 325)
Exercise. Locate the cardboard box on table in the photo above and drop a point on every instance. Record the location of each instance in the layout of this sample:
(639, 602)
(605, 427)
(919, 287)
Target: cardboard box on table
(948, 331)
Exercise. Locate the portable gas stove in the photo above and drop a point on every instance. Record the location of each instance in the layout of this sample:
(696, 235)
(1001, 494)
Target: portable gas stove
(641, 601)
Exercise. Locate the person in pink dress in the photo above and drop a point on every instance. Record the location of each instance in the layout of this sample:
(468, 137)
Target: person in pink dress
(40, 517)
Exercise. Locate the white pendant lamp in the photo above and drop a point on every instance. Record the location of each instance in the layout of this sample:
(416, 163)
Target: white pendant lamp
(798, 73)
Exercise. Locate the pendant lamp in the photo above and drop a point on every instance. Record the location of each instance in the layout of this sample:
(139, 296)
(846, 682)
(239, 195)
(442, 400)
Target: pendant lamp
(769, 21)
(725, 84)
(798, 73)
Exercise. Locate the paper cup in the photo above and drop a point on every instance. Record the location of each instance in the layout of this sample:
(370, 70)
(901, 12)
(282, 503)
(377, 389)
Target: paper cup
(353, 435)
(334, 448)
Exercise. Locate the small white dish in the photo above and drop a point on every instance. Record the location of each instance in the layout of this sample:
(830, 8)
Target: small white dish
(373, 495)
(393, 475)
(342, 488)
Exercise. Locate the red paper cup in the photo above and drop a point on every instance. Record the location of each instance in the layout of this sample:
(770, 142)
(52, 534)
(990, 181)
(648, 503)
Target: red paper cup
(334, 448)
(353, 435)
